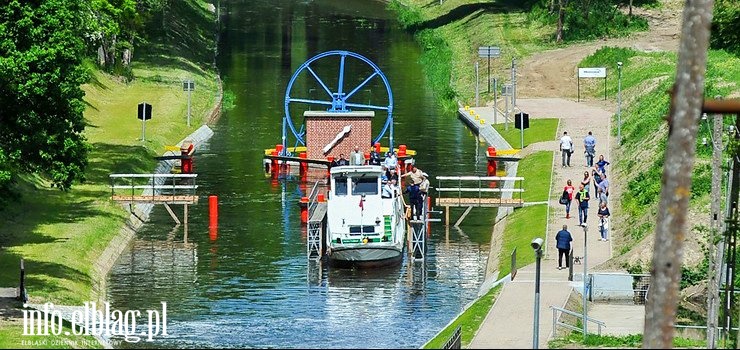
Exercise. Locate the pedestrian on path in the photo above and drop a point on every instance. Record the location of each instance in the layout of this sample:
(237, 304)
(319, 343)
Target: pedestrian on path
(601, 165)
(603, 198)
(566, 148)
(563, 239)
(589, 145)
(568, 192)
(604, 184)
(586, 182)
(604, 222)
(582, 197)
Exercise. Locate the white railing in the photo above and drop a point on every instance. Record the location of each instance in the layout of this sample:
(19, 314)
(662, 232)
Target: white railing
(157, 184)
(467, 184)
(556, 320)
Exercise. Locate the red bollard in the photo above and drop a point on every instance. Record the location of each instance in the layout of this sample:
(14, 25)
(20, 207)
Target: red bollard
(304, 209)
(320, 198)
(491, 152)
(279, 148)
(401, 151)
(213, 211)
(274, 163)
(303, 169)
(377, 147)
(328, 169)
(213, 233)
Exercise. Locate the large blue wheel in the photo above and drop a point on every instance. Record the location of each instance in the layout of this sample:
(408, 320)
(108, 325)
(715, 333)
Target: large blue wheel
(335, 100)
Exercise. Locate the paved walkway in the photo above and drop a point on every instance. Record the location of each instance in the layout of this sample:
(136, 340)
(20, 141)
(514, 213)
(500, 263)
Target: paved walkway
(509, 322)
(623, 319)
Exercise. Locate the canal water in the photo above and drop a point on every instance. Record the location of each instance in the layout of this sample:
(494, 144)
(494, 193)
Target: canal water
(251, 285)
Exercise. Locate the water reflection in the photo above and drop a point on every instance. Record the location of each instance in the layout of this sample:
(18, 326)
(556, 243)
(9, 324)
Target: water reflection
(250, 284)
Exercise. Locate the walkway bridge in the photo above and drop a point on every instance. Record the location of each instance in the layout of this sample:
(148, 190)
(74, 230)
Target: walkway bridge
(478, 191)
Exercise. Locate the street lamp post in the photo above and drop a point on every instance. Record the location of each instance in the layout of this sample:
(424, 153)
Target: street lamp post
(619, 102)
(585, 276)
(537, 246)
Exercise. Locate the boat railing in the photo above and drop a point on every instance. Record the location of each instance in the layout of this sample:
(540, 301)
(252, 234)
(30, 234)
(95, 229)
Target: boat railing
(312, 198)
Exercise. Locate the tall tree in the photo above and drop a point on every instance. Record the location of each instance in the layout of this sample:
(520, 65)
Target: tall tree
(41, 122)
(671, 226)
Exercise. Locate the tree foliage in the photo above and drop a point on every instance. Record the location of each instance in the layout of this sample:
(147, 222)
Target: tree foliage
(41, 122)
(726, 26)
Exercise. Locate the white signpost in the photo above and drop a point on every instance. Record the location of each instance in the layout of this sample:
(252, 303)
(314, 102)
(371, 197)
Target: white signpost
(591, 73)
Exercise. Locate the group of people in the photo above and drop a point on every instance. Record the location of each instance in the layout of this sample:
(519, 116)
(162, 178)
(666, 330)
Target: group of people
(418, 182)
(593, 178)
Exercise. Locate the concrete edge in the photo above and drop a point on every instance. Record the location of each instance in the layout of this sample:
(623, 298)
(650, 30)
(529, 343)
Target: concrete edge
(139, 214)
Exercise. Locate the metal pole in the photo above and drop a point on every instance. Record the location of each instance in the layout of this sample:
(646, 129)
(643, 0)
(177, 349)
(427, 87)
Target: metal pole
(489, 70)
(619, 102)
(715, 246)
(495, 101)
(506, 112)
(143, 126)
(536, 325)
(731, 236)
(477, 84)
(513, 83)
(585, 276)
(521, 126)
(189, 93)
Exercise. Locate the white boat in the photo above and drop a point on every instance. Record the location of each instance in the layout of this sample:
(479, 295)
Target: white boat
(362, 227)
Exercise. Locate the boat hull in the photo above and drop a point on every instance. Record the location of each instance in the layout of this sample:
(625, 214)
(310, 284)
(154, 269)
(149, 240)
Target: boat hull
(364, 256)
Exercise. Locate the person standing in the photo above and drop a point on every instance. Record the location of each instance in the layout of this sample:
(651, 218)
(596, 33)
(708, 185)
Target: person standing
(582, 197)
(604, 221)
(589, 145)
(603, 185)
(563, 239)
(568, 191)
(586, 182)
(601, 165)
(566, 148)
(390, 160)
(356, 157)
(374, 157)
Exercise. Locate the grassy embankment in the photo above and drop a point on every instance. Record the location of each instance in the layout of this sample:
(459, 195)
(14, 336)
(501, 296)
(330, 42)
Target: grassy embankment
(633, 341)
(539, 130)
(469, 321)
(61, 234)
(451, 33)
(639, 160)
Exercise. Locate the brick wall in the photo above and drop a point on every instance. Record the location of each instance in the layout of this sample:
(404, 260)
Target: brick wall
(322, 130)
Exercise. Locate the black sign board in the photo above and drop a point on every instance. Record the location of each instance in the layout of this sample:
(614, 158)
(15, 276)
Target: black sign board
(145, 111)
(520, 119)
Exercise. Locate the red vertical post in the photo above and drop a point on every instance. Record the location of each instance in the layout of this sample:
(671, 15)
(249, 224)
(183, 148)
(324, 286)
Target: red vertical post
(328, 169)
(213, 211)
(304, 209)
(377, 147)
(303, 169)
(274, 163)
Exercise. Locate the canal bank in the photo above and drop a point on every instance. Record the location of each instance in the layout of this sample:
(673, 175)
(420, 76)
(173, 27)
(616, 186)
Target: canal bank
(68, 239)
(254, 274)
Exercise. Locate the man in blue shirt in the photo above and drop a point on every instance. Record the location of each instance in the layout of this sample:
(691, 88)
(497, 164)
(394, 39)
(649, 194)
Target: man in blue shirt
(589, 144)
(563, 239)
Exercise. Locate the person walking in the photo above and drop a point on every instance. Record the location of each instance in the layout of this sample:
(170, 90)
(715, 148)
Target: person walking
(568, 192)
(566, 148)
(582, 197)
(604, 221)
(601, 165)
(589, 145)
(563, 239)
(586, 182)
(604, 185)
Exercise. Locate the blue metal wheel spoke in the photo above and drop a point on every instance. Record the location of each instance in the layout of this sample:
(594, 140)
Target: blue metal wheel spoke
(320, 81)
(359, 105)
(360, 86)
(305, 100)
(341, 75)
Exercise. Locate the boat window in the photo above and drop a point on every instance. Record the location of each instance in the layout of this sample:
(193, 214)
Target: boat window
(365, 185)
(340, 186)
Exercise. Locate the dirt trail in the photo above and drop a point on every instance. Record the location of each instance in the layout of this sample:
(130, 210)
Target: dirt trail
(553, 73)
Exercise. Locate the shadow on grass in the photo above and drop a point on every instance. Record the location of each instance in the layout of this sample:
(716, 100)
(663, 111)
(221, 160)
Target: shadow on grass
(185, 30)
(481, 7)
(106, 159)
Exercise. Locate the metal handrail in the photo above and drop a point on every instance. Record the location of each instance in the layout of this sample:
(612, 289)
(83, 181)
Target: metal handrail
(481, 178)
(556, 323)
(312, 202)
(154, 175)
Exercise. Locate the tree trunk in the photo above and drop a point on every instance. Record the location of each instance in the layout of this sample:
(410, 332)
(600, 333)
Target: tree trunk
(561, 17)
(630, 14)
(671, 226)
